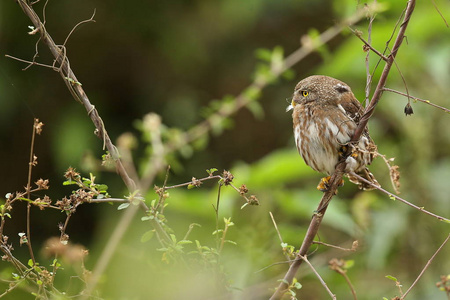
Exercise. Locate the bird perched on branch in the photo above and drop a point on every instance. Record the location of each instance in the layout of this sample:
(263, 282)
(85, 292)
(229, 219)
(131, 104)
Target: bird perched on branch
(325, 115)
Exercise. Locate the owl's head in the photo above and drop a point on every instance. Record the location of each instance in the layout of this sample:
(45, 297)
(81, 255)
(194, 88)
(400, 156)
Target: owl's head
(319, 88)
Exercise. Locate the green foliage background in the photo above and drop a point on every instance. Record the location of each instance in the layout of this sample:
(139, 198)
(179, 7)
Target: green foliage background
(175, 57)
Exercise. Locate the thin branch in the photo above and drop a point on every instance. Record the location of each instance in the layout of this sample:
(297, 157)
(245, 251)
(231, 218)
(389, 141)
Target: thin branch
(79, 94)
(439, 12)
(324, 284)
(31, 63)
(381, 83)
(338, 265)
(358, 34)
(276, 227)
(417, 99)
(368, 75)
(426, 267)
(352, 249)
(91, 19)
(30, 169)
(401, 199)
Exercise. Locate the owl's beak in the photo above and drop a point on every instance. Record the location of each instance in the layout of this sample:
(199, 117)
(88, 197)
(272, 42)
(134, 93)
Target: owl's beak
(290, 106)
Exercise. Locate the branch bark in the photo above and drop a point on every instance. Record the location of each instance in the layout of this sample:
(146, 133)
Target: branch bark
(340, 167)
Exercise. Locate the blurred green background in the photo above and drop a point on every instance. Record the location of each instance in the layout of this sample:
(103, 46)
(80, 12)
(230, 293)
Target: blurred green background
(173, 58)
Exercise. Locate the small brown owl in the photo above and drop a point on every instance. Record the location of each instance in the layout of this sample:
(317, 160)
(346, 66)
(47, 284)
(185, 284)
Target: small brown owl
(325, 115)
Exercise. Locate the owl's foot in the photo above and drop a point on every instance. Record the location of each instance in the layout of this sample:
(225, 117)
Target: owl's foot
(324, 184)
(343, 150)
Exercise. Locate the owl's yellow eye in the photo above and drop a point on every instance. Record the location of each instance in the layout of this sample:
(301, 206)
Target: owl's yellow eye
(305, 93)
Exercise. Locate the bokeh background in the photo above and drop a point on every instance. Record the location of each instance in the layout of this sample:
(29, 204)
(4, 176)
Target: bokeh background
(174, 58)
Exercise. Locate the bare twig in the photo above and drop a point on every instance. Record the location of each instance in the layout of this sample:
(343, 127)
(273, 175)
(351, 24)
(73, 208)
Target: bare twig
(340, 167)
(91, 19)
(338, 265)
(368, 45)
(30, 62)
(402, 200)
(324, 284)
(368, 75)
(426, 267)
(31, 164)
(417, 99)
(439, 12)
(276, 227)
(353, 248)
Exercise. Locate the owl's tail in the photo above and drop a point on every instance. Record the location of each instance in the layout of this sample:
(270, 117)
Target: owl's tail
(367, 175)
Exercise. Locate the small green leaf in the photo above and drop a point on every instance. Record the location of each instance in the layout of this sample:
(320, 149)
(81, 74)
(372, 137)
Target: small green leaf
(284, 281)
(264, 54)
(391, 278)
(123, 206)
(146, 218)
(190, 186)
(147, 236)
(184, 242)
(348, 264)
(30, 262)
(69, 182)
(298, 285)
(173, 237)
(102, 187)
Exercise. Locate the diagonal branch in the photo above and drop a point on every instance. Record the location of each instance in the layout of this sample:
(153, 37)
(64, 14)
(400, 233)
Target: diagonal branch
(77, 91)
(340, 167)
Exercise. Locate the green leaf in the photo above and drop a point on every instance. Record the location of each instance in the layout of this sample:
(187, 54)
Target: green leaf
(173, 237)
(123, 206)
(264, 54)
(102, 187)
(69, 182)
(146, 218)
(298, 285)
(184, 242)
(30, 262)
(391, 278)
(147, 236)
(348, 264)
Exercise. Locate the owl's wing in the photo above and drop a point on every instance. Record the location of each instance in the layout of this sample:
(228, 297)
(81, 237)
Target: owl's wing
(352, 107)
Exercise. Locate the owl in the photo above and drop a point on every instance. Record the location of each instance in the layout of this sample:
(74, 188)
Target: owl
(325, 114)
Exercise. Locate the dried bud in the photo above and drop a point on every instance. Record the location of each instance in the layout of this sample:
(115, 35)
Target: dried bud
(72, 174)
(408, 109)
(227, 177)
(243, 190)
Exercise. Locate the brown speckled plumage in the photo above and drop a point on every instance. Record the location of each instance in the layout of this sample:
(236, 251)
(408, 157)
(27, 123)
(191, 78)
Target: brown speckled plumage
(325, 116)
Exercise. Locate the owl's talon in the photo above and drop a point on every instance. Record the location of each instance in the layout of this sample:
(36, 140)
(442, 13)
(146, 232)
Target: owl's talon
(342, 151)
(324, 184)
